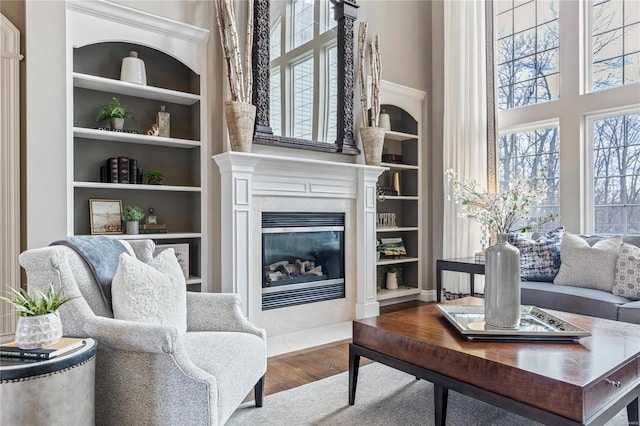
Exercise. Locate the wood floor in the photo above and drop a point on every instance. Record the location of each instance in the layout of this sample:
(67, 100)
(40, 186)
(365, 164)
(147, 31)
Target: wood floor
(294, 369)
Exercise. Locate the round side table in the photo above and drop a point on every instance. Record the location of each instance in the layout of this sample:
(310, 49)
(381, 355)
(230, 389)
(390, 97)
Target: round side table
(57, 391)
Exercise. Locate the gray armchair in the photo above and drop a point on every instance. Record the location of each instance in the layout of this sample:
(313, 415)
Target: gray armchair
(148, 374)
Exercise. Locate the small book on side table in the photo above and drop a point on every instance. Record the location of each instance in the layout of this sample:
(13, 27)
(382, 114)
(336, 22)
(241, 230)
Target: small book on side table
(64, 345)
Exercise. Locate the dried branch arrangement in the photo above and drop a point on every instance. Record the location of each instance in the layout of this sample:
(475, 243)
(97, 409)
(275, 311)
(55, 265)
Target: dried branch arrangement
(375, 63)
(238, 74)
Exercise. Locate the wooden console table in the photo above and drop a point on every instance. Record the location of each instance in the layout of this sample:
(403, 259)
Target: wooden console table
(467, 265)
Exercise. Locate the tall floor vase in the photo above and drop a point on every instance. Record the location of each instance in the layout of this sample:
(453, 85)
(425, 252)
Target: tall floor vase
(241, 118)
(372, 143)
(502, 285)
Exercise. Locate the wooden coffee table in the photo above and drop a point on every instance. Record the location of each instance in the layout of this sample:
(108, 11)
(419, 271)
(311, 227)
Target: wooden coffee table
(553, 383)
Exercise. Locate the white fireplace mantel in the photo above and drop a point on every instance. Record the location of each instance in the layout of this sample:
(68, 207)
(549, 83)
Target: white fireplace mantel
(248, 178)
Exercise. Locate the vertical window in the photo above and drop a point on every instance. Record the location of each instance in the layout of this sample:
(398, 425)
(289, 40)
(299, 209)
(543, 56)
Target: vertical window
(615, 43)
(331, 101)
(302, 111)
(302, 22)
(329, 15)
(527, 49)
(527, 155)
(275, 102)
(616, 174)
(275, 39)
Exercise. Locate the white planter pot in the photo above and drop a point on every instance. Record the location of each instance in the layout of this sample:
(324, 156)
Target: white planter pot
(392, 281)
(36, 332)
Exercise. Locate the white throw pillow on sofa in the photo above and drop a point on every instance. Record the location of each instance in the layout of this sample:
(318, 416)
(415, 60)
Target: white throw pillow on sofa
(585, 266)
(628, 272)
(153, 292)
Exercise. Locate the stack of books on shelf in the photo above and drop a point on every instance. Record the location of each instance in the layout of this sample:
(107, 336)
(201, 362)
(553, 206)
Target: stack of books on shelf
(63, 346)
(154, 228)
(121, 170)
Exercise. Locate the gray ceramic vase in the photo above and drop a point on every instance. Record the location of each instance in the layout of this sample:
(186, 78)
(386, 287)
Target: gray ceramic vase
(502, 285)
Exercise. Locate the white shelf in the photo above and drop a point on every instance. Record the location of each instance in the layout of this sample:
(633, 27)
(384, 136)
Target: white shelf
(396, 166)
(102, 84)
(105, 135)
(384, 294)
(399, 136)
(401, 197)
(167, 236)
(193, 279)
(398, 229)
(136, 187)
(396, 261)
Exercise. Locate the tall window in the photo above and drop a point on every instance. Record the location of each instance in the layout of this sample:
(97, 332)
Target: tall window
(528, 52)
(616, 174)
(590, 95)
(302, 110)
(530, 154)
(615, 43)
(303, 55)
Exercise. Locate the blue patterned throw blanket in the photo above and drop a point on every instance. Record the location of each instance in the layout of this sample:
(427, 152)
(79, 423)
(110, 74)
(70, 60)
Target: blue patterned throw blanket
(101, 254)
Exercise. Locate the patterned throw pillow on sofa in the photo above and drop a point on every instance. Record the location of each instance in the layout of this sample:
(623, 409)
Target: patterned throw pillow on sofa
(628, 272)
(540, 257)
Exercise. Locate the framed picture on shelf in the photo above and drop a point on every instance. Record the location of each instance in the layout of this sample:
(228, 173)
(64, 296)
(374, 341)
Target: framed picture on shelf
(104, 216)
(182, 253)
(392, 247)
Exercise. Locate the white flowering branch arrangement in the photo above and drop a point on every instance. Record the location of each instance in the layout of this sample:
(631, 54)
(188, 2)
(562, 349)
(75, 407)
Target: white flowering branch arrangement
(502, 212)
(375, 63)
(238, 74)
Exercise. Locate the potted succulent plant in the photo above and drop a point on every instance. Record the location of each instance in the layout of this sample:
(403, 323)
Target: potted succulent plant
(115, 112)
(38, 320)
(131, 216)
(154, 177)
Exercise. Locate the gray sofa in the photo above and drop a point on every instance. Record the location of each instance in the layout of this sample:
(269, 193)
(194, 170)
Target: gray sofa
(580, 300)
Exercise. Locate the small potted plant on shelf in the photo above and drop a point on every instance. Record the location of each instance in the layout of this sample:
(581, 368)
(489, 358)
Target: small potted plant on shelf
(392, 277)
(154, 177)
(115, 112)
(131, 216)
(38, 320)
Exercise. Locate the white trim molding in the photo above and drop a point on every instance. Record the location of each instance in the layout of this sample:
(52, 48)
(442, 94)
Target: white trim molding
(9, 167)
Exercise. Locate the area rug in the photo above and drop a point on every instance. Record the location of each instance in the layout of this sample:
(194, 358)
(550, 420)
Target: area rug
(384, 397)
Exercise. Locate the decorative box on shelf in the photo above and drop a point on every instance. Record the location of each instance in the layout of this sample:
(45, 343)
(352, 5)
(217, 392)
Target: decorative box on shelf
(392, 158)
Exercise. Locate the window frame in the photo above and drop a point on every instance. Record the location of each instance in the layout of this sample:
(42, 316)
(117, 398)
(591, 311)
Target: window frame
(570, 111)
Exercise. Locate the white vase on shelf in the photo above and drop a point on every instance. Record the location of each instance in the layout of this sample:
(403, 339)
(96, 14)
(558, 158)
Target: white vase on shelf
(133, 70)
(384, 121)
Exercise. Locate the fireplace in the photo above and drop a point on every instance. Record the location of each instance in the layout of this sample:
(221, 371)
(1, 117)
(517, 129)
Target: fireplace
(302, 258)
(254, 184)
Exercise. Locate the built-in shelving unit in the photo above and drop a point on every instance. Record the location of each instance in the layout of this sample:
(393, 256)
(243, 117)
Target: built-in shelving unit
(402, 185)
(173, 55)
